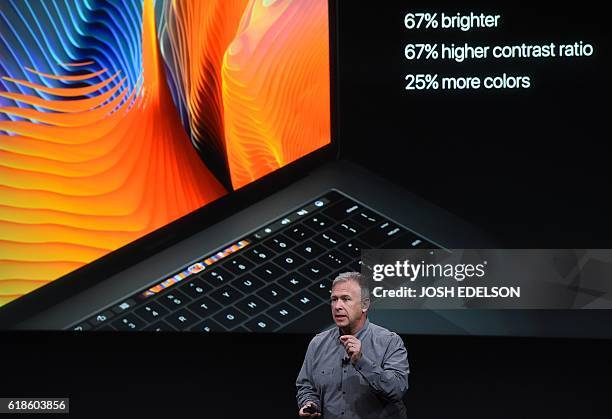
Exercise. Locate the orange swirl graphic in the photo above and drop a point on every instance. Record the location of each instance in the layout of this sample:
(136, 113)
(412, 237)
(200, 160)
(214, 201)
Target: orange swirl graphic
(257, 85)
(95, 174)
(199, 43)
(95, 156)
(275, 94)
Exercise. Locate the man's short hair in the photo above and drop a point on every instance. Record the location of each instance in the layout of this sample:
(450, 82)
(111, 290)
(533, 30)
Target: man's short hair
(357, 277)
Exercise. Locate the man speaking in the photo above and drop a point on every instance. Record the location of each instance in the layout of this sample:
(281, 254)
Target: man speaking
(355, 370)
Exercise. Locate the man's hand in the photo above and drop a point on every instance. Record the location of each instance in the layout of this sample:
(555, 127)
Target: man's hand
(352, 345)
(309, 415)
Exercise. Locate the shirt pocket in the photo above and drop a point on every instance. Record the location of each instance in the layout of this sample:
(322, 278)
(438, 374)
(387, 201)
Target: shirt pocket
(325, 377)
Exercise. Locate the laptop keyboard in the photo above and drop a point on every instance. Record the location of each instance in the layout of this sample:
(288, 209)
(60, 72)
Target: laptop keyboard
(276, 279)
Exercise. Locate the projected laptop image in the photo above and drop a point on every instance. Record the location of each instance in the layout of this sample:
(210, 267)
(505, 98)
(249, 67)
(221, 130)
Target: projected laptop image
(176, 165)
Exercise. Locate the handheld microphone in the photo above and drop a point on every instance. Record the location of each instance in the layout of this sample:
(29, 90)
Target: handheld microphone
(313, 408)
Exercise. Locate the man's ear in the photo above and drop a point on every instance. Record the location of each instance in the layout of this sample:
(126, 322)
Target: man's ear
(365, 305)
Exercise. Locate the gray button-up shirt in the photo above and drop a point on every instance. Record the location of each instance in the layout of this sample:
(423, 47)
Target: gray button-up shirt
(372, 388)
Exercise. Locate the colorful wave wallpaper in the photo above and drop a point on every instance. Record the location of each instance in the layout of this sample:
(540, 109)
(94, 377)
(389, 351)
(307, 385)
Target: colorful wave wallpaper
(119, 117)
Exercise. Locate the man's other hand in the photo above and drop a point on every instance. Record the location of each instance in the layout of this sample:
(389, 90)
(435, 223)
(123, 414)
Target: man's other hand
(309, 415)
(352, 345)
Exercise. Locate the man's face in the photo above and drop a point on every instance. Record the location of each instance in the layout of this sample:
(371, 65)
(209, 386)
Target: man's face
(346, 304)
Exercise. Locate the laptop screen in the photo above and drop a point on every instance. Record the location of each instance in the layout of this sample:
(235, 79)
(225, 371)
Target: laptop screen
(117, 118)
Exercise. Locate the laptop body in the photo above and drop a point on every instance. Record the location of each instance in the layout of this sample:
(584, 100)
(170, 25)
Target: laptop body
(102, 292)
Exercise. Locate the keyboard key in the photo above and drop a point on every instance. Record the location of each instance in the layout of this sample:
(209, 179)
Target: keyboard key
(273, 293)
(247, 283)
(322, 289)
(129, 322)
(151, 312)
(173, 300)
(294, 282)
(381, 233)
(348, 228)
(160, 326)
(335, 259)
(204, 307)
(217, 277)
(238, 265)
(299, 232)
(208, 326)
(422, 244)
(289, 261)
(261, 323)
(319, 222)
(366, 218)
(352, 248)
(315, 270)
(342, 210)
(405, 240)
(283, 313)
(329, 239)
(101, 318)
(302, 212)
(308, 250)
(182, 319)
(279, 243)
(269, 272)
(196, 288)
(259, 254)
(266, 231)
(252, 305)
(227, 295)
(123, 306)
(81, 327)
(305, 301)
(394, 231)
(230, 318)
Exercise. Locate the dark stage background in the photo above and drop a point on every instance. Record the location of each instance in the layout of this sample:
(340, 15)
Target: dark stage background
(532, 167)
(187, 375)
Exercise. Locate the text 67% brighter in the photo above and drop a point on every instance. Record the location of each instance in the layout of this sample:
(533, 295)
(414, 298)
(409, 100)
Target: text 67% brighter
(418, 20)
